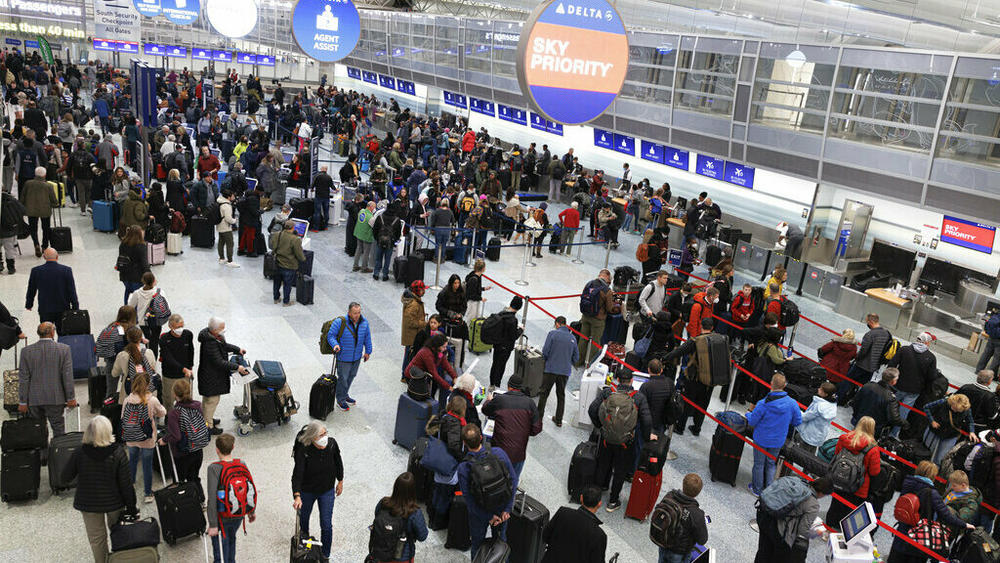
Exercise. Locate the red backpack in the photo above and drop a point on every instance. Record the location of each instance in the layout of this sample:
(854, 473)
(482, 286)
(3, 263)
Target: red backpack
(177, 222)
(237, 493)
(907, 509)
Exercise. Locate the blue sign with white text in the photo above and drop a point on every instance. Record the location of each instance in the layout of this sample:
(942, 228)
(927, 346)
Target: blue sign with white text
(265, 60)
(709, 166)
(246, 58)
(453, 99)
(484, 107)
(104, 45)
(202, 54)
(354, 73)
(122, 47)
(739, 174)
(174, 51)
(537, 122)
(604, 139)
(326, 30)
(180, 12)
(387, 82)
(625, 144)
(512, 114)
(651, 151)
(369, 77)
(222, 56)
(148, 8)
(406, 87)
(154, 49)
(676, 158)
(10, 41)
(29, 44)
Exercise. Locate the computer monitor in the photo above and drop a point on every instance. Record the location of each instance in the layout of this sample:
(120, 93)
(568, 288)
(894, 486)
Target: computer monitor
(301, 227)
(890, 259)
(288, 157)
(251, 184)
(707, 556)
(858, 525)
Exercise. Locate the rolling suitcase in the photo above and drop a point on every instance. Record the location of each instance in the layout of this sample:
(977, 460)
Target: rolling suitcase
(263, 405)
(423, 477)
(146, 554)
(643, 495)
(797, 454)
(130, 533)
(20, 475)
(270, 266)
(582, 469)
(156, 253)
(524, 530)
(61, 450)
(175, 244)
(179, 507)
(493, 550)
(97, 389)
(459, 536)
(725, 454)
(800, 393)
(530, 364)
(411, 417)
(84, 356)
(654, 454)
(305, 287)
(476, 344)
(24, 433)
(323, 396)
(493, 249)
(202, 232)
(76, 321)
(270, 374)
(105, 218)
(303, 549)
(61, 237)
(306, 268)
(159, 454)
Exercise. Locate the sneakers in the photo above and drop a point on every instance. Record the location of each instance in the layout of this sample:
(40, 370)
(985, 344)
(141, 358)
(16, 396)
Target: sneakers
(751, 491)
(222, 260)
(232, 264)
(613, 505)
(215, 431)
(558, 423)
(276, 301)
(148, 499)
(344, 406)
(356, 269)
(350, 401)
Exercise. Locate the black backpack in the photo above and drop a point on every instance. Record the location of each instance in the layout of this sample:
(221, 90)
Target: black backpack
(213, 212)
(490, 482)
(385, 233)
(492, 329)
(29, 161)
(388, 536)
(789, 312)
(847, 470)
(670, 523)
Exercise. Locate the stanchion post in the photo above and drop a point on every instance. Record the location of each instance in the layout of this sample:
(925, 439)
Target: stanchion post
(791, 338)
(579, 254)
(524, 268)
(529, 246)
(732, 385)
(607, 254)
(437, 267)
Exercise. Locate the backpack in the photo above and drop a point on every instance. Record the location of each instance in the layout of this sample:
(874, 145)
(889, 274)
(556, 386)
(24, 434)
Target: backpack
(388, 536)
(177, 222)
(590, 300)
(194, 430)
(29, 160)
(669, 523)
(213, 212)
(419, 385)
(489, 481)
(468, 204)
(324, 344)
(158, 309)
(237, 493)
(385, 233)
(979, 465)
(136, 424)
(492, 327)
(907, 509)
(618, 414)
(847, 470)
(889, 352)
(642, 252)
(783, 495)
(789, 312)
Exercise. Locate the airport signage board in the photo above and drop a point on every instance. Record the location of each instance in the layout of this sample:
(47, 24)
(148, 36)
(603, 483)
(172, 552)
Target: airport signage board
(625, 144)
(354, 73)
(406, 87)
(739, 174)
(246, 58)
(369, 77)
(52, 11)
(651, 152)
(676, 157)
(387, 82)
(457, 100)
(971, 235)
(265, 60)
(201, 54)
(326, 30)
(180, 12)
(604, 139)
(177, 52)
(571, 59)
(710, 166)
(539, 122)
(154, 49)
(484, 107)
(118, 20)
(512, 114)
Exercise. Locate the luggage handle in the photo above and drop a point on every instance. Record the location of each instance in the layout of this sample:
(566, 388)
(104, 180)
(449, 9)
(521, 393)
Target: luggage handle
(79, 424)
(204, 543)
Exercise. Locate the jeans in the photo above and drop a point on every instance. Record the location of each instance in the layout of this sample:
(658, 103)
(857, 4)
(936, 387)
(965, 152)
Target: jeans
(763, 468)
(907, 399)
(938, 445)
(991, 350)
(325, 501)
(615, 462)
(441, 236)
(518, 467)
(134, 453)
(226, 553)
(628, 222)
(383, 261)
(667, 556)
(548, 380)
(346, 371)
(321, 216)
(284, 276)
(129, 288)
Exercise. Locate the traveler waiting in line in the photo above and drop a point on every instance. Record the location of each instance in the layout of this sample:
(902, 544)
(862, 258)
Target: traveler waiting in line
(351, 340)
(134, 359)
(786, 538)
(143, 300)
(448, 428)
(46, 379)
(878, 400)
(775, 285)
(132, 261)
(658, 390)
(596, 303)
(288, 256)
(225, 227)
(837, 354)
(402, 511)
(931, 503)
(816, 419)
(176, 357)
(139, 412)
(561, 352)
(465, 387)
(187, 434)
(505, 336)
(869, 358)
(991, 331)
(487, 480)
(694, 528)
(949, 419)
(215, 368)
(983, 401)
(917, 369)
(697, 384)
(432, 359)
(225, 507)
(365, 236)
(576, 534)
(39, 199)
(771, 419)
(857, 445)
(516, 419)
(318, 477)
(474, 289)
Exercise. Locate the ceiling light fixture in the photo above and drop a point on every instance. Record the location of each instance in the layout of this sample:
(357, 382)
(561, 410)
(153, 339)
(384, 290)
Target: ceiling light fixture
(796, 59)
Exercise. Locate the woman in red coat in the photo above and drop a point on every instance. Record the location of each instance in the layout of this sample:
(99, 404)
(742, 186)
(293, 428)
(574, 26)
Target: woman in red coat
(837, 354)
(468, 141)
(433, 359)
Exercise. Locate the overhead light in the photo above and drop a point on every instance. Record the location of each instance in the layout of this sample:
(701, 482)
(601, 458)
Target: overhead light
(232, 18)
(796, 59)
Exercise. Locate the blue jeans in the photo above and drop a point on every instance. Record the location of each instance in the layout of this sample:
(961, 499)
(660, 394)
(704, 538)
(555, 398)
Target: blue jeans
(628, 222)
(441, 236)
(129, 288)
(287, 277)
(226, 552)
(671, 557)
(518, 467)
(383, 260)
(325, 501)
(321, 215)
(345, 376)
(134, 453)
(763, 468)
(904, 399)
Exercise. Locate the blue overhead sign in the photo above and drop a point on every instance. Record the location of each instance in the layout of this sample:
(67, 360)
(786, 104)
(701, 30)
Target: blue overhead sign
(539, 122)
(202, 54)
(29, 44)
(246, 58)
(354, 73)
(222, 56)
(181, 12)
(676, 158)
(625, 144)
(453, 99)
(120, 46)
(326, 30)
(406, 87)
(513, 115)
(709, 166)
(387, 82)
(174, 51)
(104, 45)
(484, 107)
(265, 60)
(604, 139)
(651, 152)
(369, 77)
(739, 174)
(154, 49)
(15, 42)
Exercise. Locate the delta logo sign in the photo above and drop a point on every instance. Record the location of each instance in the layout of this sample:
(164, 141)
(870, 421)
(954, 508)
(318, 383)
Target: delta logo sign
(572, 59)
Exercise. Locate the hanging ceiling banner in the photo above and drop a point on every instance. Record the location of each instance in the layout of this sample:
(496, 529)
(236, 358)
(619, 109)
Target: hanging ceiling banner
(56, 11)
(326, 30)
(180, 12)
(116, 19)
(572, 59)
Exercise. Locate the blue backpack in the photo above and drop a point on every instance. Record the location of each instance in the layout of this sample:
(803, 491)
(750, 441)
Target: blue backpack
(590, 300)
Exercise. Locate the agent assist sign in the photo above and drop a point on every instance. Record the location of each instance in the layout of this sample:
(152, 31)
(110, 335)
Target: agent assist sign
(326, 30)
(572, 59)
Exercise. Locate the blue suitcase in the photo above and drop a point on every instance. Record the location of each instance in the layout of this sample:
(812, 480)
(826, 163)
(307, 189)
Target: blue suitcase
(411, 417)
(84, 356)
(269, 374)
(105, 219)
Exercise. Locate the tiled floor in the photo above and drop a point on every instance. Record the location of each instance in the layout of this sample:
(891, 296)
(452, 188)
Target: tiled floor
(198, 287)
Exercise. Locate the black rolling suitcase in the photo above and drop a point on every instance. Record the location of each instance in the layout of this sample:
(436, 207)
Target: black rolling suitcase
(179, 507)
(727, 450)
(493, 249)
(524, 530)
(323, 395)
(270, 266)
(305, 288)
(20, 475)
(61, 450)
(800, 393)
(61, 237)
(263, 405)
(459, 536)
(202, 232)
(582, 469)
(407, 269)
(24, 433)
(97, 389)
(423, 477)
(800, 455)
(306, 268)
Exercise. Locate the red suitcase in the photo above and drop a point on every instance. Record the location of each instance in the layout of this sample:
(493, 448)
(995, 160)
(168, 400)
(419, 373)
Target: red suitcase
(643, 496)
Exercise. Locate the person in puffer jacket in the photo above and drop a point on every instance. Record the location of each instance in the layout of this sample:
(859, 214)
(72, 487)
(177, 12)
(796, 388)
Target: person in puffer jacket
(837, 354)
(817, 418)
(770, 419)
(516, 419)
(855, 442)
(922, 485)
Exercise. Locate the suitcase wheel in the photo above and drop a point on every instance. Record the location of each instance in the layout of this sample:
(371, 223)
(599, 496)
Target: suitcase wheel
(244, 429)
(394, 442)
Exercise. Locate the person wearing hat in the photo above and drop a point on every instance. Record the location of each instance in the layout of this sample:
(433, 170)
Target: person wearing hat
(503, 340)
(984, 402)
(917, 368)
(516, 418)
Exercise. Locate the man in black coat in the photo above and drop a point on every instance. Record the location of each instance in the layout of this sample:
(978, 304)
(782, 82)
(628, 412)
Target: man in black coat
(983, 401)
(55, 287)
(322, 188)
(353, 209)
(214, 369)
(576, 534)
(879, 401)
(503, 345)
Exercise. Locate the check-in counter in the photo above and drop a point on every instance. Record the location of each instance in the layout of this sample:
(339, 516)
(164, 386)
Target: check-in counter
(676, 237)
(893, 311)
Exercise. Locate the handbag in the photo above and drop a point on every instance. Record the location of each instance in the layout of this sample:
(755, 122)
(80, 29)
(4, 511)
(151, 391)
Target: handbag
(930, 534)
(642, 345)
(437, 459)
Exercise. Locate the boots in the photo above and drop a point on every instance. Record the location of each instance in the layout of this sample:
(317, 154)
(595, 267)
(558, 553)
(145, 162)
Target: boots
(10, 266)
(38, 251)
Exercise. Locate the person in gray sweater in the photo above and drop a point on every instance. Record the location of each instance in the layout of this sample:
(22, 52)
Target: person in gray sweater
(223, 530)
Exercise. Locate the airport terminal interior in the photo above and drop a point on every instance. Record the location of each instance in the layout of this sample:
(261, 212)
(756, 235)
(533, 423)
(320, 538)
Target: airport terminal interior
(849, 147)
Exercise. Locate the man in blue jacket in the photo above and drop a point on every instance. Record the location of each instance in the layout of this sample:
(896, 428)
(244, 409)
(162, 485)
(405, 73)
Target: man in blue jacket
(770, 419)
(991, 349)
(560, 352)
(471, 483)
(55, 287)
(351, 341)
